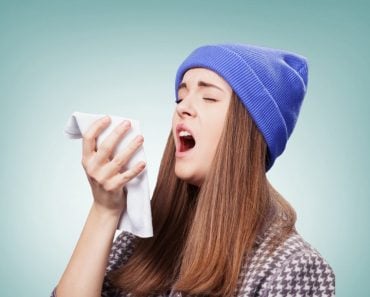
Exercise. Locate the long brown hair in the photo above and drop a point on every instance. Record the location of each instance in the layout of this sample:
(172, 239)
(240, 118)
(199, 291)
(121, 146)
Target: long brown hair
(202, 235)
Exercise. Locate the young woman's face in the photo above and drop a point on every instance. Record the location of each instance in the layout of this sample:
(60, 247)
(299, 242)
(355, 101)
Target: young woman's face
(197, 122)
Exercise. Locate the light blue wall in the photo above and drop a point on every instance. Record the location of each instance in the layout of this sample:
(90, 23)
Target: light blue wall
(116, 57)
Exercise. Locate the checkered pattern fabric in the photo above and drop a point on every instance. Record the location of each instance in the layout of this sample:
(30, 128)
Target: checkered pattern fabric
(295, 268)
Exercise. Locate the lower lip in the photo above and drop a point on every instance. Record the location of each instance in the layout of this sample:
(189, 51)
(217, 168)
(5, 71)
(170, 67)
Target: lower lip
(184, 154)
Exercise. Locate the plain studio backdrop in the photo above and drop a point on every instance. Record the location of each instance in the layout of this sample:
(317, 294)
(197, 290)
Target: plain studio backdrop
(120, 58)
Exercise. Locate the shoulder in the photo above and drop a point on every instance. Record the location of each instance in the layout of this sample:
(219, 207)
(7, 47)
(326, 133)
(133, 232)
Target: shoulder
(304, 273)
(295, 268)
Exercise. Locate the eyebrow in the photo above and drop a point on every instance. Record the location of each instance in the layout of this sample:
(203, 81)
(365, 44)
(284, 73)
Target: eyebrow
(200, 84)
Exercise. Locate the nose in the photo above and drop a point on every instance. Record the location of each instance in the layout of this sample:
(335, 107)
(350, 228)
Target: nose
(186, 108)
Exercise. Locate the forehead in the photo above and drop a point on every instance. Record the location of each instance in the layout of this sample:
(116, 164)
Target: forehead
(195, 74)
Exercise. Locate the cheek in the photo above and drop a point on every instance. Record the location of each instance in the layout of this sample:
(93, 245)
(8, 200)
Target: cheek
(212, 137)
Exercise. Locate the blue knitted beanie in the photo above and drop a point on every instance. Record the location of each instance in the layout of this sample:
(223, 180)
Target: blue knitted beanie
(271, 83)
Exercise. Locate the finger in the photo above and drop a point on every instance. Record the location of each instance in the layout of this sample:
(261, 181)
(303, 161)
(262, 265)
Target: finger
(124, 156)
(114, 166)
(110, 142)
(120, 180)
(90, 135)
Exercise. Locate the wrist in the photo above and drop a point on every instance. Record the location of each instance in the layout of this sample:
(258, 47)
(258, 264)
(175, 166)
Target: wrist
(104, 213)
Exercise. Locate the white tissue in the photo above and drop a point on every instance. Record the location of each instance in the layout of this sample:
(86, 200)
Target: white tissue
(137, 217)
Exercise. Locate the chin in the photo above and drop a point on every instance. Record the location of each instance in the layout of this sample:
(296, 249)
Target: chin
(188, 176)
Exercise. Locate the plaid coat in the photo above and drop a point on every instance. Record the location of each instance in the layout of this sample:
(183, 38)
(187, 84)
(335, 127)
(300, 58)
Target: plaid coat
(295, 268)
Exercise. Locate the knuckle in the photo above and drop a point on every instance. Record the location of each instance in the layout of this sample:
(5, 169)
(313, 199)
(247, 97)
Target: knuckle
(108, 187)
(92, 178)
(133, 146)
(116, 133)
(118, 161)
(85, 160)
(99, 179)
(138, 170)
(125, 178)
(89, 136)
(89, 170)
(104, 147)
(135, 171)
(121, 158)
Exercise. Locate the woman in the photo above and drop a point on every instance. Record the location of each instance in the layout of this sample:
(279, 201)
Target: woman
(220, 228)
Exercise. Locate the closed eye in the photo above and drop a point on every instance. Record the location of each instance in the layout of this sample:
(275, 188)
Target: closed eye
(208, 99)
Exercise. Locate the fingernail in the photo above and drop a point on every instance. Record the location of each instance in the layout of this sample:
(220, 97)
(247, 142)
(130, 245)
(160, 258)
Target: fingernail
(125, 123)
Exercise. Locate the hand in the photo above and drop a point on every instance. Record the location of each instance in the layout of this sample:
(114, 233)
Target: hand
(105, 174)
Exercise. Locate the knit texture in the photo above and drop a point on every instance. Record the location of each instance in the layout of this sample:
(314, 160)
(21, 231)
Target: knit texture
(295, 268)
(271, 83)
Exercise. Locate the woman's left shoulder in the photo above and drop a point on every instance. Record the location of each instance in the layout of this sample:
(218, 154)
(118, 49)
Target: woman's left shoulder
(294, 268)
(304, 273)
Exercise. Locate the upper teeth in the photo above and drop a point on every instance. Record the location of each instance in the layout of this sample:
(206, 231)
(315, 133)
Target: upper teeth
(184, 133)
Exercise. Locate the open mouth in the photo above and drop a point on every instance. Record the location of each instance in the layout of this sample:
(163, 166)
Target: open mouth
(187, 141)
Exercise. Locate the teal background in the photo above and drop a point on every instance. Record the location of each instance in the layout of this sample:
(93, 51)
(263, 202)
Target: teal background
(120, 57)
